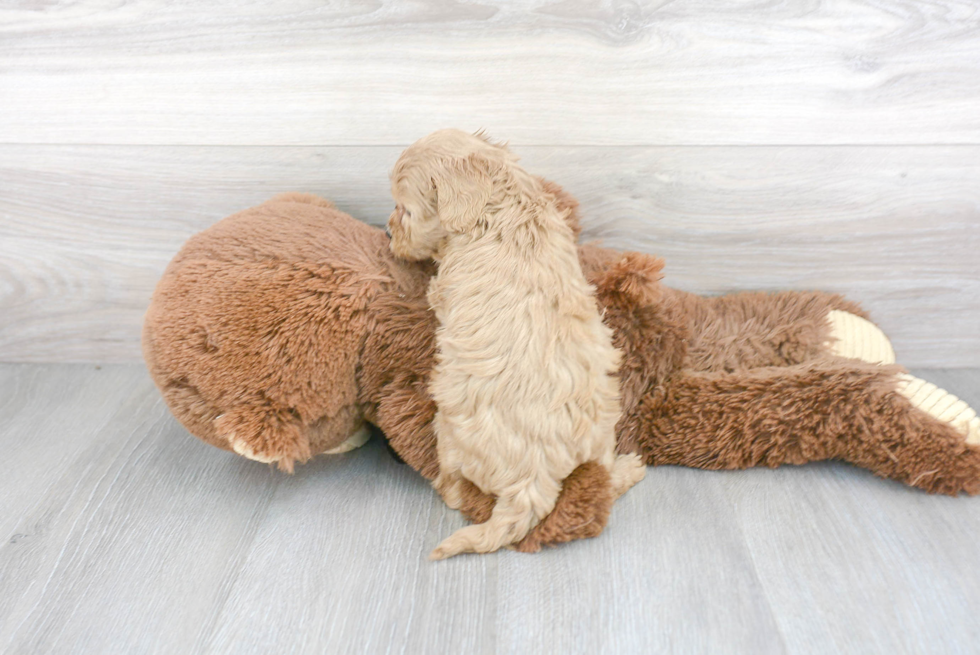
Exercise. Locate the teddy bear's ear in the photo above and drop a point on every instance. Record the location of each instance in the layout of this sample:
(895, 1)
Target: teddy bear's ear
(566, 203)
(463, 187)
(634, 277)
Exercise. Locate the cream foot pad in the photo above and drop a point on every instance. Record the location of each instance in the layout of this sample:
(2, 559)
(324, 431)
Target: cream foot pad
(941, 405)
(858, 338)
(356, 440)
(243, 449)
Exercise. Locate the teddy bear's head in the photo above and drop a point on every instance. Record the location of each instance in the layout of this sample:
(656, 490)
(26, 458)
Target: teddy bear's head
(255, 331)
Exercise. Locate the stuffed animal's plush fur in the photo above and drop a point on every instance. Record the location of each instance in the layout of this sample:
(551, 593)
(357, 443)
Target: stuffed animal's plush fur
(279, 331)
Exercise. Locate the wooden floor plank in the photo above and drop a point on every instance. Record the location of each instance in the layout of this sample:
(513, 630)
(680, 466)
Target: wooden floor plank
(340, 564)
(44, 443)
(653, 582)
(120, 533)
(87, 231)
(127, 544)
(544, 73)
(851, 564)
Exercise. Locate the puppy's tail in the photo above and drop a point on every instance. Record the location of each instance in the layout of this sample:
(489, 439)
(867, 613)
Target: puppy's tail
(516, 512)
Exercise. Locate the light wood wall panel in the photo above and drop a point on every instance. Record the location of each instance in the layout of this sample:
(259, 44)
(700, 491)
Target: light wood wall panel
(85, 231)
(572, 72)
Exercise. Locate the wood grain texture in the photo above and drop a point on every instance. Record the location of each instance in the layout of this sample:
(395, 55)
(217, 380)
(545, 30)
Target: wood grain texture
(571, 72)
(653, 582)
(107, 497)
(86, 231)
(119, 533)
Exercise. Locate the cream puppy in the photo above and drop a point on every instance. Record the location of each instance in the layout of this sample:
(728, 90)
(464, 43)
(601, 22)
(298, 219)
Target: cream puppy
(525, 376)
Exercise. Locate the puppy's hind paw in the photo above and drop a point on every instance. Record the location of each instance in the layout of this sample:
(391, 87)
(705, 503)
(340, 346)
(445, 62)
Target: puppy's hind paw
(626, 471)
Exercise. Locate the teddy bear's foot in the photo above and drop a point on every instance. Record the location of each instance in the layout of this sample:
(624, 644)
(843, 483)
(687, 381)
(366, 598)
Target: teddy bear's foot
(941, 405)
(356, 440)
(245, 450)
(858, 338)
(264, 436)
(285, 461)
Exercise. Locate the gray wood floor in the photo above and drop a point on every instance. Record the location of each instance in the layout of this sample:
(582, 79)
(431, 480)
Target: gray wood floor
(119, 533)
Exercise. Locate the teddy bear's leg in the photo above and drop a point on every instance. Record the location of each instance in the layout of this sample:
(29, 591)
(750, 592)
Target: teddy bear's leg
(753, 329)
(831, 409)
(941, 405)
(855, 337)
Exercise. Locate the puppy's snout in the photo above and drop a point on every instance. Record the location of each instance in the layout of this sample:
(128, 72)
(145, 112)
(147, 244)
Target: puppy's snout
(388, 233)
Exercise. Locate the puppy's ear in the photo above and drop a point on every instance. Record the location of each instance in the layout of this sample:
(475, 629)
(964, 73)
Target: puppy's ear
(462, 192)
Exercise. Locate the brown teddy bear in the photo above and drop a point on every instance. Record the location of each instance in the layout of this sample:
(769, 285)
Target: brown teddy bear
(281, 331)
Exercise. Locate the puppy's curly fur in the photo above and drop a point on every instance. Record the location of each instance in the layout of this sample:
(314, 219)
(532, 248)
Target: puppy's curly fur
(525, 377)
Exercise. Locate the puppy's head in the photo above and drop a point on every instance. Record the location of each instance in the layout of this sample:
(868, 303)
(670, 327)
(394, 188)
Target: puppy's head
(442, 185)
